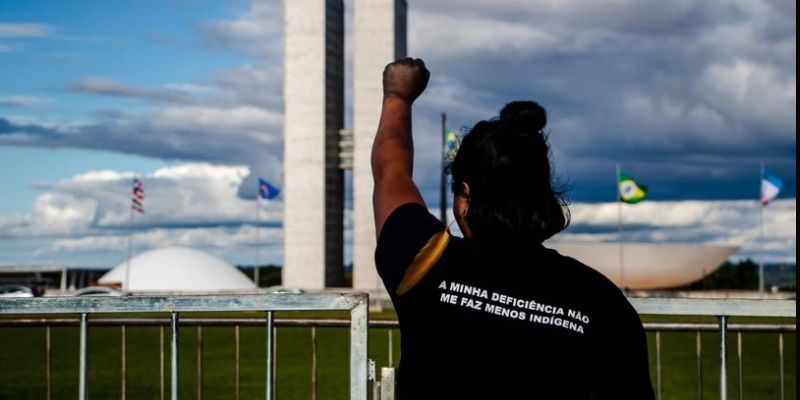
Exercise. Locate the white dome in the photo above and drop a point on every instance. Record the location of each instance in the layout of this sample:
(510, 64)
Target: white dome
(178, 269)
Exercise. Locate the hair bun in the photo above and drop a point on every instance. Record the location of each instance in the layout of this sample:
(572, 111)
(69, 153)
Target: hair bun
(524, 115)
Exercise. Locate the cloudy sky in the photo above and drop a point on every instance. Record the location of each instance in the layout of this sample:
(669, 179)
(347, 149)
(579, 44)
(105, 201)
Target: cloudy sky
(689, 96)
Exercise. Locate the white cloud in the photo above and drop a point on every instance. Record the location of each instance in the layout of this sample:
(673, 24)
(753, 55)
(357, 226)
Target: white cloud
(16, 31)
(86, 216)
(174, 92)
(189, 87)
(678, 81)
(255, 31)
(465, 35)
(752, 91)
(110, 87)
(10, 223)
(22, 30)
(62, 213)
(244, 121)
(98, 202)
(99, 176)
(20, 101)
(221, 238)
(90, 243)
(259, 85)
(236, 245)
(445, 93)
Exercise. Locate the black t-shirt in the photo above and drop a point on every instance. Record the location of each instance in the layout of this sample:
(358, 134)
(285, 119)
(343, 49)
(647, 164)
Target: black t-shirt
(508, 322)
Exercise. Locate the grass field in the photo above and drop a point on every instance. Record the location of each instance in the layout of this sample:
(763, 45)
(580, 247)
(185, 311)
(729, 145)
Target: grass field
(22, 361)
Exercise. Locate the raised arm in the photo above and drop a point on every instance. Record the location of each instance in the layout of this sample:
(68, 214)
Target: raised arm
(393, 150)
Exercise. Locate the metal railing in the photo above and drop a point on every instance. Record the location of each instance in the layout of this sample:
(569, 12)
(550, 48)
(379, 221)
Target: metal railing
(722, 309)
(356, 303)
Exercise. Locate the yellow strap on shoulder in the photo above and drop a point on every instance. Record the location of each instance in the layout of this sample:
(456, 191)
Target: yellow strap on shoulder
(425, 259)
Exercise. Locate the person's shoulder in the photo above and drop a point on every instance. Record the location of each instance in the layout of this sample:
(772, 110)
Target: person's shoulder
(408, 222)
(404, 233)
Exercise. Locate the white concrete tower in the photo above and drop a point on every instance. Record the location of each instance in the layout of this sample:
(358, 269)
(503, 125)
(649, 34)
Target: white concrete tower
(380, 38)
(313, 116)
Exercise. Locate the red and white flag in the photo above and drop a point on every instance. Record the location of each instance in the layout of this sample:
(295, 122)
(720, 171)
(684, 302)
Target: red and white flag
(137, 197)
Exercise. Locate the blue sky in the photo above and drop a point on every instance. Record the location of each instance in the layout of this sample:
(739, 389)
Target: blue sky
(690, 97)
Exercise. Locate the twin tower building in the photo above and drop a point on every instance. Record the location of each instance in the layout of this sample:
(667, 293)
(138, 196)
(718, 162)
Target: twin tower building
(317, 148)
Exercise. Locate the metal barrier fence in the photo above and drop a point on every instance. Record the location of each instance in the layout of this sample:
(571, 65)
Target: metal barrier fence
(721, 309)
(356, 303)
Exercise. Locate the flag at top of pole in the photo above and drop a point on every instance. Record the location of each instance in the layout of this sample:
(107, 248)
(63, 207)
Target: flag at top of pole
(629, 191)
(266, 191)
(451, 145)
(771, 185)
(137, 197)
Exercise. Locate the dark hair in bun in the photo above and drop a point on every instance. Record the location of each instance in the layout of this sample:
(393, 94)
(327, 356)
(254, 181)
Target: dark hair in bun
(525, 115)
(505, 161)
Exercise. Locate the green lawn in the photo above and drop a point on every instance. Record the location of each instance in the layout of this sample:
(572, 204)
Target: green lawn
(22, 360)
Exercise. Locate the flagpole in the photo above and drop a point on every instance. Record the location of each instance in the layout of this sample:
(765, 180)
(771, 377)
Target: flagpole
(442, 189)
(127, 284)
(258, 241)
(619, 231)
(761, 241)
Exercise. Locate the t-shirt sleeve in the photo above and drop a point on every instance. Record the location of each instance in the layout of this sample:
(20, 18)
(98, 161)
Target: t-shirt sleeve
(404, 233)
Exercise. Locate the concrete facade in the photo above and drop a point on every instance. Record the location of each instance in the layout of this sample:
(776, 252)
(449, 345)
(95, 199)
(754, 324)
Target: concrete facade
(380, 38)
(313, 116)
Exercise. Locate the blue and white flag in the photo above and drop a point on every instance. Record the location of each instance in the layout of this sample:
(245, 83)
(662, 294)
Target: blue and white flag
(266, 191)
(771, 185)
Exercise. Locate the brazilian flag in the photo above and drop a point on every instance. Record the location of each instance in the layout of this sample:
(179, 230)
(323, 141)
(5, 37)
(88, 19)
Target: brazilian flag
(629, 191)
(451, 145)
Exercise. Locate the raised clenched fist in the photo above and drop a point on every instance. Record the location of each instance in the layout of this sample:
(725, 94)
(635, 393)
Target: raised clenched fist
(405, 78)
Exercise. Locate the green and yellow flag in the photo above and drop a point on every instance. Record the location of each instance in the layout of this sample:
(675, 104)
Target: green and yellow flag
(451, 145)
(629, 191)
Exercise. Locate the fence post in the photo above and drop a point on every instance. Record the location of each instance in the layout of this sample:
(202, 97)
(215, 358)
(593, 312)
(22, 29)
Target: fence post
(174, 357)
(658, 365)
(313, 362)
(739, 356)
(48, 352)
(723, 348)
(359, 322)
(161, 361)
(237, 361)
(83, 367)
(199, 362)
(387, 383)
(270, 355)
(699, 348)
(780, 350)
(124, 361)
(391, 348)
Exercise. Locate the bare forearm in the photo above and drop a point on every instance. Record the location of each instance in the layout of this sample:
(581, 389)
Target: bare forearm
(393, 148)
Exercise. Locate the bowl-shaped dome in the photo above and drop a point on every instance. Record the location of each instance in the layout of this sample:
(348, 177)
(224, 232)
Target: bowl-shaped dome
(648, 265)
